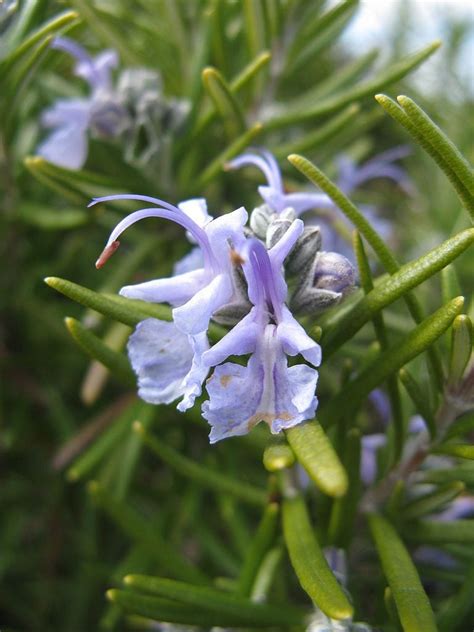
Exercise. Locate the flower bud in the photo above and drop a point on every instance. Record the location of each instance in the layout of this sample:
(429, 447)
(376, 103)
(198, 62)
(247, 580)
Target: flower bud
(305, 250)
(260, 219)
(333, 272)
(276, 230)
(323, 283)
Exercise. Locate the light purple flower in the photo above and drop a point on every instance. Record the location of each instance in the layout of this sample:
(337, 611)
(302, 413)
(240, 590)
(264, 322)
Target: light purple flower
(273, 194)
(71, 120)
(352, 176)
(266, 389)
(197, 294)
(167, 362)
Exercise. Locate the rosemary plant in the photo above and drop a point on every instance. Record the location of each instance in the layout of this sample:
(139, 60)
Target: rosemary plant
(260, 412)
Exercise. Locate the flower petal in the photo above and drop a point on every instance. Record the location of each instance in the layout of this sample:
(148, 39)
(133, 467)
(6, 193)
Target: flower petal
(295, 340)
(162, 357)
(193, 317)
(235, 392)
(240, 340)
(66, 147)
(175, 290)
(295, 399)
(192, 383)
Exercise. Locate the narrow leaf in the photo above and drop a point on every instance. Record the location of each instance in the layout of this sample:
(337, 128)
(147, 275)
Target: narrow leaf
(259, 546)
(363, 89)
(416, 342)
(202, 597)
(412, 128)
(418, 396)
(458, 450)
(412, 603)
(169, 611)
(461, 348)
(51, 27)
(445, 147)
(309, 563)
(235, 148)
(431, 502)
(322, 134)
(117, 363)
(344, 510)
(316, 454)
(440, 531)
(125, 310)
(199, 473)
(224, 101)
(143, 533)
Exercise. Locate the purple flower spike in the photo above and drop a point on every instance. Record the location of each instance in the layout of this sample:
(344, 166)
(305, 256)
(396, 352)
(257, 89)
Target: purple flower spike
(266, 389)
(274, 193)
(198, 293)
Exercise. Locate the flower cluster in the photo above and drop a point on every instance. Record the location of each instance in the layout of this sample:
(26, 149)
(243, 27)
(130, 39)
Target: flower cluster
(236, 275)
(132, 109)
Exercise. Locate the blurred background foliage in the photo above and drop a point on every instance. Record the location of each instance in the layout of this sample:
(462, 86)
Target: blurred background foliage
(294, 87)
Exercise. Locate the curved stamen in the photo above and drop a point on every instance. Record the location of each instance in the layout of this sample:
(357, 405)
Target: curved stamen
(175, 215)
(277, 182)
(273, 180)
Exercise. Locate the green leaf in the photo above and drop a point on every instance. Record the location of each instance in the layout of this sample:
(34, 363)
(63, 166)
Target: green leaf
(308, 40)
(199, 473)
(419, 134)
(431, 502)
(463, 473)
(117, 363)
(344, 510)
(237, 84)
(235, 148)
(254, 26)
(143, 533)
(106, 31)
(443, 145)
(41, 35)
(204, 598)
(103, 445)
(363, 89)
(340, 329)
(450, 286)
(461, 348)
(316, 454)
(456, 608)
(458, 450)
(440, 531)
(259, 546)
(367, 285)
(412, 603)
(418, 396)
(416, 342)
(461, 426)
(323, 133)
(45, 218)
(309, 563)
(125, 310)
(170, 611)
(224, 101)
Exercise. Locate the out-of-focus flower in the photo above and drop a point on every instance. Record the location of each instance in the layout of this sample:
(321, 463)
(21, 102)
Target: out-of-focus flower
(266, 389)
(132, 109)
(101, 114)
